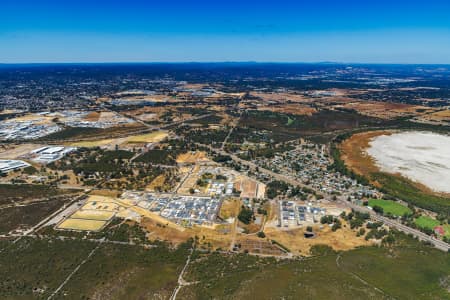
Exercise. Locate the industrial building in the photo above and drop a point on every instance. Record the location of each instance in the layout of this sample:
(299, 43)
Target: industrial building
(11, 165)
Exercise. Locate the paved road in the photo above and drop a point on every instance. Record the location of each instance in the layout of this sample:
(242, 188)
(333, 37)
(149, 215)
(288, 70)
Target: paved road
(441, 245)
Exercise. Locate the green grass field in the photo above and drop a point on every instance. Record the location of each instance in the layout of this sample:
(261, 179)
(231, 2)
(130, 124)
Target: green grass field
(405, 189)
(390, 207)
(430, 223)
(426, 222)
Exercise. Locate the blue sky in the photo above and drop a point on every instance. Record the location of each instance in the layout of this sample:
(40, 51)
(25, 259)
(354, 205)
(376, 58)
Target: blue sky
(170, 31)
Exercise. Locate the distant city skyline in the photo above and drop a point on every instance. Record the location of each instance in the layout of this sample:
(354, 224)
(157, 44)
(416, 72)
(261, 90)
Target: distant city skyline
(211, 31)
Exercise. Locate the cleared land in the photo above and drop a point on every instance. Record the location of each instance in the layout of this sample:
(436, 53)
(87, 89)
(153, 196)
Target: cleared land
(82, 224)
(294, 239)
(93, 215)
(391, 207)
(152, 137)
(192, 157)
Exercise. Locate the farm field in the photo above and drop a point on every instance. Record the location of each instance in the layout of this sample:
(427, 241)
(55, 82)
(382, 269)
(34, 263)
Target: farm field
(391, 207)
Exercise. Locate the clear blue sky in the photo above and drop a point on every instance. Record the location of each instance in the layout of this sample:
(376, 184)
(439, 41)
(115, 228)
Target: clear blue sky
(382, 31)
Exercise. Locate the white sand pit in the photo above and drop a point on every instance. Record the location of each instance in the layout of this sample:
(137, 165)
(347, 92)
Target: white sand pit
(423, 157)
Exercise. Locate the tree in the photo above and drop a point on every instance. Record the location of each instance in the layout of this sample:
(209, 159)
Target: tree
(378, 209)
(261, 234)
(245, 215)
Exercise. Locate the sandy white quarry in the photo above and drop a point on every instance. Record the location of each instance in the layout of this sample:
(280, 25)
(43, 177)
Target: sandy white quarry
(423, 157)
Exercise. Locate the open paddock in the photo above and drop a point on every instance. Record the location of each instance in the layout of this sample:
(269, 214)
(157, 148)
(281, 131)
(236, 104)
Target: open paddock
(100, 206)
(82, 224)
(93, 215)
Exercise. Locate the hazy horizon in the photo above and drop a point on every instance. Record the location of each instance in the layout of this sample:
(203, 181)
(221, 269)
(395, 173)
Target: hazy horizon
(49, 31)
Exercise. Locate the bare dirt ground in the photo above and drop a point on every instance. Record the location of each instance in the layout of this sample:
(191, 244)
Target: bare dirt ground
(209, 237)
(353, 152)
(230, 208)
(439, 117)
(386, 110)
(295, 109)
(16, 151)
(342, 239)
(257, 245)
(92, 116)
(158, 182)
(192, 157)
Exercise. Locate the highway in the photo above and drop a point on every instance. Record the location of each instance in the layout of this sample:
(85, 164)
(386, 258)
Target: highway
(441, 245)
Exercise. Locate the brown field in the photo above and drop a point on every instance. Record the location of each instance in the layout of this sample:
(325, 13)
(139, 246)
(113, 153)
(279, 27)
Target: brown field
(16, 151)
(37, 119)
(192, 157)
(92, 116)
(295, 109)
(342, 239)
(249, 188)
(152, 137)
(91, 214)
(158, 182)
(281, 97)
(354, 155)
(97, 143)
(438, 117)
(257, 245)
(82, 224)
(217, 237)
(105, 193)
(230, 208)
(385, 110)
(100, 206)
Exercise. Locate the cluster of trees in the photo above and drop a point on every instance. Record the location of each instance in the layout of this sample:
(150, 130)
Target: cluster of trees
(337, 224)
(276, 187)
(355, 218)
(246, 215)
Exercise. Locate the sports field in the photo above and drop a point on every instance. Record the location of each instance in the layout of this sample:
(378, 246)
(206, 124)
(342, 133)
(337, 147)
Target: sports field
(91, 214)
(426, 222)
(82, 224)
(390, 207)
